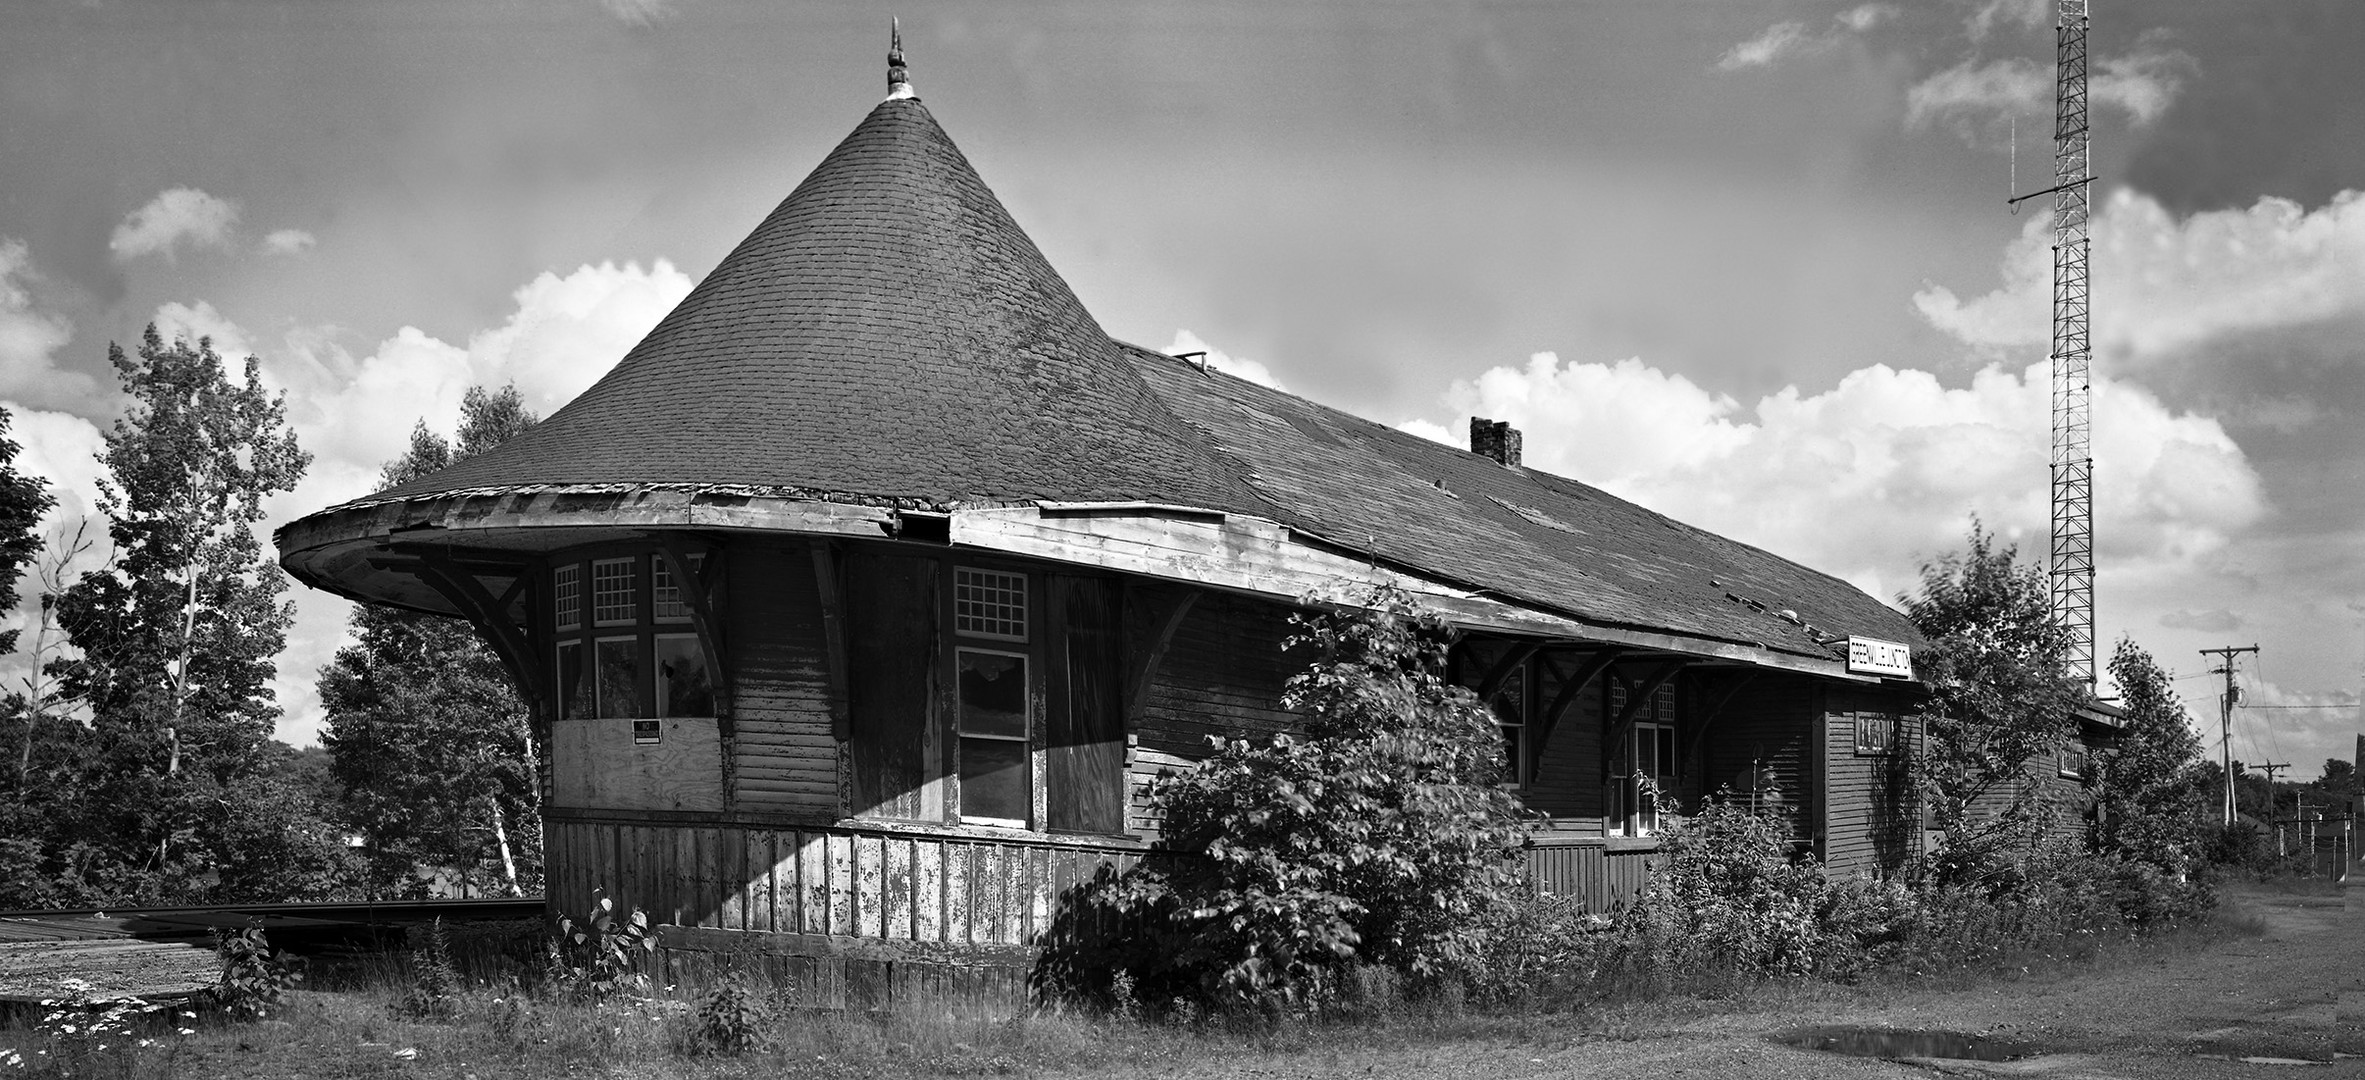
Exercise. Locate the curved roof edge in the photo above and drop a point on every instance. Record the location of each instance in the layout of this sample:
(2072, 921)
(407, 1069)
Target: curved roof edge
(355, 549)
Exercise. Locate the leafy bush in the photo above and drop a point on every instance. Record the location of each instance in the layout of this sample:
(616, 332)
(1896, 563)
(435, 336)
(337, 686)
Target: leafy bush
(1543, 948)
(730, 1020)
(435, 983)
(255, 978)
(600, 956)
(1378, 837)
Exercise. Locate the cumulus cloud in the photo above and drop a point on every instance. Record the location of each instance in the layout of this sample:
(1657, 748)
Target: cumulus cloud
(1188, 342)
(30, 337)
(2025, 14)
(2170, 284)
(639, 12)
(2215, 620)
(288, 242)
(1778, 41)
(1872, 476)
(176, 321)
(2142, 84)
(176, 216)
(1786, 40)
(354, 411)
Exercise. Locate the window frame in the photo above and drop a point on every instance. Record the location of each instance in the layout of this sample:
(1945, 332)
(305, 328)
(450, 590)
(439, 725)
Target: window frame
(1622, 811)
(644, 629)
(1025, 738)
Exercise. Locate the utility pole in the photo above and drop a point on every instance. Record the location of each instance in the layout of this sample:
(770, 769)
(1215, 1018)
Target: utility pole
(2270, 768)
(2225, 719)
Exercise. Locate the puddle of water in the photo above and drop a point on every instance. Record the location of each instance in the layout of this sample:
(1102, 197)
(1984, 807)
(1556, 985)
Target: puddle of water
(1894, 1043)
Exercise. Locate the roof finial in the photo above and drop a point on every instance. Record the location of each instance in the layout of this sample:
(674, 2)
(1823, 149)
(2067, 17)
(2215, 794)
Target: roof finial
(899, 84)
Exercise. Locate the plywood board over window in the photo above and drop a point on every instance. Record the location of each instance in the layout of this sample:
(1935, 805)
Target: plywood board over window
(891, 643)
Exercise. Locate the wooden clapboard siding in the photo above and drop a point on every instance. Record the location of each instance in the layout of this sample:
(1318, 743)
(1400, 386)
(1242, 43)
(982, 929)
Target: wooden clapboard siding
(1222, 675)
(1774, 722)
(1601, 875)
(786, 758)
(891, 654)
(1869, 815)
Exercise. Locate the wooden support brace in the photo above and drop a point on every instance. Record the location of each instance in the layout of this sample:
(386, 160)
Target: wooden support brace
(693, 587)
(833, 632)
(1499, 674)
(1570, 688)
(1637, 698)
(1138, 687)
(507, 640)
(1708, 717)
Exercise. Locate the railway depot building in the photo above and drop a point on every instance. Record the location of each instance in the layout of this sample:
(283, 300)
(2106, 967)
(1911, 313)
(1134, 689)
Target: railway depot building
(858, 604)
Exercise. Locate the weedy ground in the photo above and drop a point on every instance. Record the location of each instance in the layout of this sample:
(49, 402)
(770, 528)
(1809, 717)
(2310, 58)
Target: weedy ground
(350, 1023)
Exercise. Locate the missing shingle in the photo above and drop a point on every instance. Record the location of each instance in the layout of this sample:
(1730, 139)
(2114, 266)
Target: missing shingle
(1535, 516)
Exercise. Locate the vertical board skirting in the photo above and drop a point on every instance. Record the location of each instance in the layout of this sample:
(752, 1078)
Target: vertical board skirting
(1601, 879)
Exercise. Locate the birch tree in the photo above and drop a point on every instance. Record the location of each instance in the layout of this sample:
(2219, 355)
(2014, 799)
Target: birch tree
(179, 633)
(434, 749)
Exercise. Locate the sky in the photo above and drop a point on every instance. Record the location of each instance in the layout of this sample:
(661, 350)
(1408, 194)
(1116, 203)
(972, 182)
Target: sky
(1747, 262)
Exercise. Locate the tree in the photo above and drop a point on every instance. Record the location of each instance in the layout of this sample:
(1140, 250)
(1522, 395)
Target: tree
(178, 633)
(2147, 799)
(1377, 837)
(433, 748)
(1999, 700)
(23, 499)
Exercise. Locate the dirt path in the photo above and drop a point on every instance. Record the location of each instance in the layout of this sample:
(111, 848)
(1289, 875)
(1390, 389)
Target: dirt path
(2191, 1014)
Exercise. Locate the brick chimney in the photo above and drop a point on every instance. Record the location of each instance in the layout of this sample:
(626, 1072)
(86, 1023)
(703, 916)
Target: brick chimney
(1495, 439)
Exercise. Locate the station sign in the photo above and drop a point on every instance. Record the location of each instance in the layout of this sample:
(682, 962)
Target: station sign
(1872, 656)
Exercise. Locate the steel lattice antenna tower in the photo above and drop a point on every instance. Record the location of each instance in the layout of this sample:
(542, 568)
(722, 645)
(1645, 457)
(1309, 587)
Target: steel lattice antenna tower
(2072, 566)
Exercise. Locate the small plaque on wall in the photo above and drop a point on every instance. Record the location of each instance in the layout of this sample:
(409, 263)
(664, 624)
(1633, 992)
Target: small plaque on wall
(646, 732)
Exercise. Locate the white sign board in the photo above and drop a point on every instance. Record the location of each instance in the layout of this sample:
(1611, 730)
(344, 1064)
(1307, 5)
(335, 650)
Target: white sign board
(1872, 656)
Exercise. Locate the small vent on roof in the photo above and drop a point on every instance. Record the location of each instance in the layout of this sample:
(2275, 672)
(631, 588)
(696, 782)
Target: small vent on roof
(1496, 439)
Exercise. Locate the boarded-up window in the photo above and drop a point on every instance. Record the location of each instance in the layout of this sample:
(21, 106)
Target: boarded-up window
(1086, 741)
(890, 654)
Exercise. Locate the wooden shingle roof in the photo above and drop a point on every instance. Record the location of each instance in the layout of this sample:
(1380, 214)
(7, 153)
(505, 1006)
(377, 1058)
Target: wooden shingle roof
(888, 334)
(1521, 534)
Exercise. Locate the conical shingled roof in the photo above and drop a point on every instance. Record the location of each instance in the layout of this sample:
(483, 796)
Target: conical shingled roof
(888, 333)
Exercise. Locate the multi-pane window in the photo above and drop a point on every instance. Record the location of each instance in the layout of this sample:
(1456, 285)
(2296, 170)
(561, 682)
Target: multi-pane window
(2075, 761)
(630, 659)
(612, 599)
(989, 604)
(665, 597)
(566, 590)
(994, 701)
(1645, 768)
(994, 722)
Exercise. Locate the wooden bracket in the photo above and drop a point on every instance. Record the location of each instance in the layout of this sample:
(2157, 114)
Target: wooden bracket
(1708, 716)
(833, 632)
(1570, 688)
(491, 618)
(1138, 688)
(1636, 698)
(695, 587)
(1499, 674)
